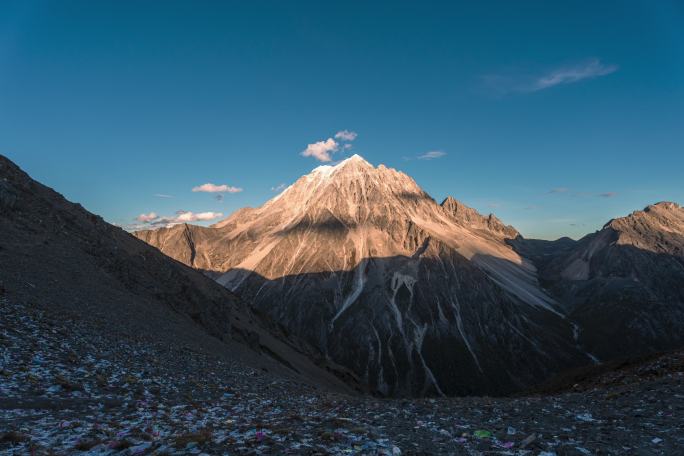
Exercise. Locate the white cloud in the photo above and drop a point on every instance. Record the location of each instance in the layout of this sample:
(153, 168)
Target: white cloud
(188, 216)
(567, 75)
(278, 188)
(559, 190)
(162, 195)
(346, 135)
(321, 150)
(607, 194)
(213, 188)
(152, 219)
(563, 75)
(146, 218)
(433, 154)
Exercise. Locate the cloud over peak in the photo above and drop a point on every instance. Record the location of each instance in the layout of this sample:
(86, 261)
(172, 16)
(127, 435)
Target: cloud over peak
(321, 150)
(213, 188)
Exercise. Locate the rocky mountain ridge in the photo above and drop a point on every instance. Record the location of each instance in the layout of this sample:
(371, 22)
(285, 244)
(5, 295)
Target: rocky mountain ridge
(363, 264)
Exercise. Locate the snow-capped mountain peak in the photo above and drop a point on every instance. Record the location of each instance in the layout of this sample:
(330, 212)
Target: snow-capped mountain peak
(362, 263)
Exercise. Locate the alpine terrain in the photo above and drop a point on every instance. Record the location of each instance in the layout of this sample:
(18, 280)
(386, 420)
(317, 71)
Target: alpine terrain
(414, 297)
(108, 347)
(624, 284)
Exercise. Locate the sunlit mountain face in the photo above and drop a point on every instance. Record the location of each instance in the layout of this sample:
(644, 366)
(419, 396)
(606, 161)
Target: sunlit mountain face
(413, 296)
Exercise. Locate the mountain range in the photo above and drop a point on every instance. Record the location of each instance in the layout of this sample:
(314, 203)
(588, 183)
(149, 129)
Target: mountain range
(419, 298)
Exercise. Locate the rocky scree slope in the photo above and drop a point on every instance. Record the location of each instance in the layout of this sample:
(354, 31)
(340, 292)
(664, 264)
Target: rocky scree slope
(54, 254)
(68, 386)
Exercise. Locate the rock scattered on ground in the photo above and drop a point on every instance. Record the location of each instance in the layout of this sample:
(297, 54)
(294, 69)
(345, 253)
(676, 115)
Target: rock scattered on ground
(68, 388)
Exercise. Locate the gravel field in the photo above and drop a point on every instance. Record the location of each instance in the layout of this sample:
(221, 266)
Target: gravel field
(68, 388)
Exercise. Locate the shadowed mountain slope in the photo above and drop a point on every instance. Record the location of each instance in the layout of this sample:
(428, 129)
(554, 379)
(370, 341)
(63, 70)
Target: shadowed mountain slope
(56, 255)
(624, 284)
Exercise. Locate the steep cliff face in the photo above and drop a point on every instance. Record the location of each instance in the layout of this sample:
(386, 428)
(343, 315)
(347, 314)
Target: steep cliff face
(414, 297)
(473, 219)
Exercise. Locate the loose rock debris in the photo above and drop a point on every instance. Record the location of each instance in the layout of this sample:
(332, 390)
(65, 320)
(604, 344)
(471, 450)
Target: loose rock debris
(67, 389)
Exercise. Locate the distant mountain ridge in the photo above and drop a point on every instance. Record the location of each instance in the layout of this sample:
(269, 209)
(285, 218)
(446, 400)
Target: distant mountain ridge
(624, 284)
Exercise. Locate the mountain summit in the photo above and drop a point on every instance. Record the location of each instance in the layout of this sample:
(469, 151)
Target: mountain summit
(361, 262)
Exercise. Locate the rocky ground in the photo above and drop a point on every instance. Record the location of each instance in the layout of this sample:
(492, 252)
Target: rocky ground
(68, 388)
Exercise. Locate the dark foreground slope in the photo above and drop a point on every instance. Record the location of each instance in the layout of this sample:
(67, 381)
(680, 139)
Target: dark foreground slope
(56, 256)
(68, 388)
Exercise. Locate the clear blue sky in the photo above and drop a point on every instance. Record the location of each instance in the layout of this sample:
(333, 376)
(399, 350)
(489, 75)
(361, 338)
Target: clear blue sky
(554, 117)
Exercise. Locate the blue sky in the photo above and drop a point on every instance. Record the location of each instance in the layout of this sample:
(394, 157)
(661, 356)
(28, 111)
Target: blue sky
(554, 117)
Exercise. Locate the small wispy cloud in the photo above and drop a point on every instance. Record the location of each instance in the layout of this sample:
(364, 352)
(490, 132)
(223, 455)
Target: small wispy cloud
(321, 150)
(163, 195)
(565, 190)
(146, 218)
(433, 154)
(562, 75)
(346, 135)
(189, 216)
(213, 188)
(590, 69)
(153, 220)
(278, 187)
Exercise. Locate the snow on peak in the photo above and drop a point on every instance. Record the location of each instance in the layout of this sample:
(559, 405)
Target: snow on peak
(356, 157)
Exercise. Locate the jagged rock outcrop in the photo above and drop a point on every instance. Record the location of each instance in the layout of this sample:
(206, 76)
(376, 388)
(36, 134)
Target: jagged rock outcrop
(473, 219)
(410, 295)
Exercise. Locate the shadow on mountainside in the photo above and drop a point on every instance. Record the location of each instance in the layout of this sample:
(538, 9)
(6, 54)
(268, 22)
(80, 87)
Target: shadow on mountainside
(631, 302)
(418, 326)
(489, 342)
(56, 256)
